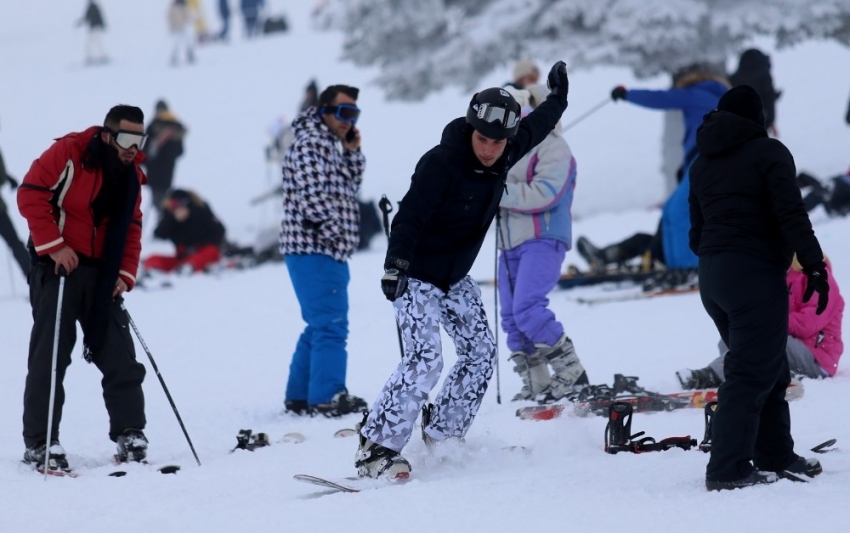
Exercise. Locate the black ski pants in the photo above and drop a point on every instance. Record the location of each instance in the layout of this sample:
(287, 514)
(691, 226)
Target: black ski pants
(747, 299)
(116, 360)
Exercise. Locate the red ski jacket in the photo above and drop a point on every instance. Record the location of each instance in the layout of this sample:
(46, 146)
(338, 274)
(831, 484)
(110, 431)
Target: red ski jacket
(55, 198)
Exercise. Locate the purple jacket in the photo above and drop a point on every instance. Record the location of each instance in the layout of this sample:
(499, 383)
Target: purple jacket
(820, 333)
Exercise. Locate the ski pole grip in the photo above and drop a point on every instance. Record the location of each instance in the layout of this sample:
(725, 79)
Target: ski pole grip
(62, 271)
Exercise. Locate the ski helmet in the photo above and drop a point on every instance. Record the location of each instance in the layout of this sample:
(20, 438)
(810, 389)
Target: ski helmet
(494, 113)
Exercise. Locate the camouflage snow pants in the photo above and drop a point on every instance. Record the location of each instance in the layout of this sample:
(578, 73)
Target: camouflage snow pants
(420, 312)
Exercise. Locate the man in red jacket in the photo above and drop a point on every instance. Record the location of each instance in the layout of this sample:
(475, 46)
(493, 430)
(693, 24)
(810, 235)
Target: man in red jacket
(81, 200)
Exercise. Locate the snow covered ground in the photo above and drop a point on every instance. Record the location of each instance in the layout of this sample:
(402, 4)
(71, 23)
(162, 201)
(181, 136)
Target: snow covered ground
(223, 343)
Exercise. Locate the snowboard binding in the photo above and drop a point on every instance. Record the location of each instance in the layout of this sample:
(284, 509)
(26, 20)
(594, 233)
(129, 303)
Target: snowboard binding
(618, 437)
(247, 440)
(705, 445)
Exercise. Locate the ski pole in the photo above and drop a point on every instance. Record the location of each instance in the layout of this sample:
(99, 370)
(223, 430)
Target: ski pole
(386, 208)
(496, 304)
(161, 381)
(589, 112)
(62, 275)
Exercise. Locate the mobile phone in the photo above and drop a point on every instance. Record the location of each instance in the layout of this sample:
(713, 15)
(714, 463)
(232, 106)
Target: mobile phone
(351, 135)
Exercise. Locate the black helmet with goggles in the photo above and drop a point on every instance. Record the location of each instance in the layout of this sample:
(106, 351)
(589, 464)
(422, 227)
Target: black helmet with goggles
(494, 113)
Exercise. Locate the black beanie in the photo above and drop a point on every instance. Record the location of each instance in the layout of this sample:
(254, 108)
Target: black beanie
(743, 101)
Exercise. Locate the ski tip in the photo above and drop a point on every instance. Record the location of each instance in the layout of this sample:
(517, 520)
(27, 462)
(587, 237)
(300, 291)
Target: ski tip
(343, 433)
(825, 447)
(57, 473)
(293, 437)
(169, 469)
(119, 473)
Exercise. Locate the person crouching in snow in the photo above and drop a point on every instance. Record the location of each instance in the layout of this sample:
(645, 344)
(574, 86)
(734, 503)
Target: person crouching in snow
(814, 340)
(190, 224)
(436, 235)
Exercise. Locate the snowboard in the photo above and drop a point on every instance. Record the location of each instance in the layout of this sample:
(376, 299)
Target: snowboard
(646, 402)
(326, 483)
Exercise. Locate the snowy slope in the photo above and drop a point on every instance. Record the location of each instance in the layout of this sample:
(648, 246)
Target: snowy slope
(223, 343)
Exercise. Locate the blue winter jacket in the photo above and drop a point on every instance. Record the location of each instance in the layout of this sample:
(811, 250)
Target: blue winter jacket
(695, 101)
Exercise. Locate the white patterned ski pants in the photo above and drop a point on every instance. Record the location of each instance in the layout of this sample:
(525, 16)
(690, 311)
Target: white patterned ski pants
(420, 312)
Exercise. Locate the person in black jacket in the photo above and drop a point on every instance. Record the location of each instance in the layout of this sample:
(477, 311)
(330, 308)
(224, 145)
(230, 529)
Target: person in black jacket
(436, 236)
(190, 224)
(165, 145)
(754, 70)
(93, 18)
(747, 221)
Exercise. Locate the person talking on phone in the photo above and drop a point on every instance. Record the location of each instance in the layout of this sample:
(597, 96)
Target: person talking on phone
(322, 172)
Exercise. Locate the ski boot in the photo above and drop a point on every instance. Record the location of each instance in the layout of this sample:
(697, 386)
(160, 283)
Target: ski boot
(341, 404)
(132, 446)
(534, 373)
(703, 378)
(569, 375)
(35, 456)
(375, 461)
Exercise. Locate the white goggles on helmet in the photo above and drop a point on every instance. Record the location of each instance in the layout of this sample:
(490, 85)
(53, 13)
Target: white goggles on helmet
(491, 113)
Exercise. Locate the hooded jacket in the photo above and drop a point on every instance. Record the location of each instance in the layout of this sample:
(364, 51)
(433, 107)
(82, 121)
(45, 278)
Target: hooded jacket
(744, 197)
(443, 219)
(320, 184)
(820, 333)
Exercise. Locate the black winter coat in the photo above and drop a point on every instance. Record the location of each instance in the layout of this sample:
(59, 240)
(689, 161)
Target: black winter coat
(164, 146)
(201, 228)
(443, 219)
(744, 196)
(754, 70)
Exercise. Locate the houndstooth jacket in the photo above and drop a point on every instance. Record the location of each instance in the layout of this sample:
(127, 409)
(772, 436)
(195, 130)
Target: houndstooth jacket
(320, 185)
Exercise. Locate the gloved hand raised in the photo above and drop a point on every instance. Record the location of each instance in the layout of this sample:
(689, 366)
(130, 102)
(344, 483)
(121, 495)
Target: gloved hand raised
(817, 281)
(618, 93)
(394, 281)
(558, 81)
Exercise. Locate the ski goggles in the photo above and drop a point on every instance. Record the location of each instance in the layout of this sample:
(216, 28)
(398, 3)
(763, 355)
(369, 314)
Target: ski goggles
(491, 113)
(342, 112)
(128, 139)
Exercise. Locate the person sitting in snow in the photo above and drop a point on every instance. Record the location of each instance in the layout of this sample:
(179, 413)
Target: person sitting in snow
(834, 196)
(696, 93)
(814, 341)
(190, 224)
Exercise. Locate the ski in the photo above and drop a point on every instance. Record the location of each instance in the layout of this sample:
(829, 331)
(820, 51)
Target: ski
(57, 472)
(641, 402)
(644, 295)
(165, 469)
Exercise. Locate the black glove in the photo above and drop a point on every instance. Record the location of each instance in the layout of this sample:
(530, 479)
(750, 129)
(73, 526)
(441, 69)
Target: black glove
(817, 281)
(558, 81)
(394, 281)
(618, 93)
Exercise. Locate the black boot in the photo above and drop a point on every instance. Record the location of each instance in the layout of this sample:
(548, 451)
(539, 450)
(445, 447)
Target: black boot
(703, 378)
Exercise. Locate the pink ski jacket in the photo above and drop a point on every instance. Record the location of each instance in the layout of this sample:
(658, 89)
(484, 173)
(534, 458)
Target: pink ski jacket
(821, 333)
